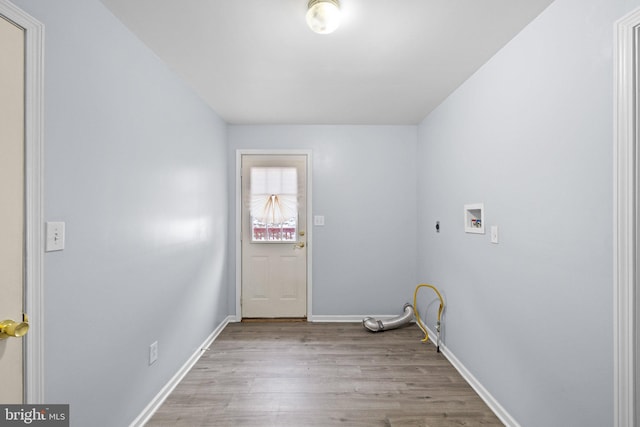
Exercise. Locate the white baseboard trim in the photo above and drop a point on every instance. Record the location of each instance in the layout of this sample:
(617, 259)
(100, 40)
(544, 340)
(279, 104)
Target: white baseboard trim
(348, 318)
(491, 401)
(157, 401)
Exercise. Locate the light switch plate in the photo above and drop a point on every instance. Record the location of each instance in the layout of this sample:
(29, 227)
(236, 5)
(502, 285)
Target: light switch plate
(55, 236)
(494, 234)
(318, 220)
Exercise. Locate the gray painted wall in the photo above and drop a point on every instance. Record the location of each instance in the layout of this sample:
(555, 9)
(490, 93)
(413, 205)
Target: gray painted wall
(531, 136)
(136, 167)
(364, 183)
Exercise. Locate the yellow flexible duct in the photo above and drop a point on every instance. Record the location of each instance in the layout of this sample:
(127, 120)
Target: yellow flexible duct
(417, 313)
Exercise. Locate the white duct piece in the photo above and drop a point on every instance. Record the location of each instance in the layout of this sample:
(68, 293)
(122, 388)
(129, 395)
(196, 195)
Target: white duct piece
(384, 325)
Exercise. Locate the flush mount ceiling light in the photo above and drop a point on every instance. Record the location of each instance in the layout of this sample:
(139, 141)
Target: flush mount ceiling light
(323, 16)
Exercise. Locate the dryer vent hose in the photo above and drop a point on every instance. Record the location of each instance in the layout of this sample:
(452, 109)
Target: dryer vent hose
(384, 325)
(408, 314)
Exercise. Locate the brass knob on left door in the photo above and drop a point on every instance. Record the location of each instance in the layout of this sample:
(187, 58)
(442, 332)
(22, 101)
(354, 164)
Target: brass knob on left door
(9, 328)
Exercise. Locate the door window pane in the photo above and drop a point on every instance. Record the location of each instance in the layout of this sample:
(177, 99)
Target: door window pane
(274, 204)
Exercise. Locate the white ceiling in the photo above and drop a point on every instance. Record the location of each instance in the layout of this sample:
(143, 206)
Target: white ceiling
(390, 62)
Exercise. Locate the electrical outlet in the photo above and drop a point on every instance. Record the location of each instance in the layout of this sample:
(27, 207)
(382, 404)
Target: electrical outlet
(153, 352)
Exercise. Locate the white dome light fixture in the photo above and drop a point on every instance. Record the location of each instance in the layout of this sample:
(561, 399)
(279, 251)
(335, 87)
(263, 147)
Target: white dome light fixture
(323, 16)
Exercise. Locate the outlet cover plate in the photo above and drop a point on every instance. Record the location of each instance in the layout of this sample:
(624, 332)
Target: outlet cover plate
(153, 352)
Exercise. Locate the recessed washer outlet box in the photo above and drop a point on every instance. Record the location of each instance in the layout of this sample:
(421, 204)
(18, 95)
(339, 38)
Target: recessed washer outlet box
(474, 218)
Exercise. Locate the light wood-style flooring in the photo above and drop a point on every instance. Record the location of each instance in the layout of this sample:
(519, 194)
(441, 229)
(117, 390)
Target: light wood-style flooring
(320, 375)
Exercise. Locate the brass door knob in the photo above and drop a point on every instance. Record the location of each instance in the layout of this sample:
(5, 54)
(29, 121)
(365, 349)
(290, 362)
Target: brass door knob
(9, 328)
(299, 245)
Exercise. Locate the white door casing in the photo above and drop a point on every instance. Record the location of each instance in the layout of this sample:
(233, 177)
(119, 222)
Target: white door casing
(274, 260)
(626, 353)
(32, 343)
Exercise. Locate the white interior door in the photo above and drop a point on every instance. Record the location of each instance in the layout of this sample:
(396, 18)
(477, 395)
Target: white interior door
(12, 124)
(274, 252)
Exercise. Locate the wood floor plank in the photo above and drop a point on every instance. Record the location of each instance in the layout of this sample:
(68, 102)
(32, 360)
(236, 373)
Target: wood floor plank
(300, 374)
